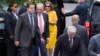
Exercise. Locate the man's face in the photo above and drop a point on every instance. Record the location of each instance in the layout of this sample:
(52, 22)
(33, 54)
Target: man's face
(31, 8)
(71, 34)
(40, 9)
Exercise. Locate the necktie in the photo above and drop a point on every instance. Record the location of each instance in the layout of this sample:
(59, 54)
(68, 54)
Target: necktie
(71, 42)
(31, 20)
(40, 24)
(32, 25)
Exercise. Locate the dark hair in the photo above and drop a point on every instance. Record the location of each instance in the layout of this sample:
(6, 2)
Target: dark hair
(9, 8)
(28, 5)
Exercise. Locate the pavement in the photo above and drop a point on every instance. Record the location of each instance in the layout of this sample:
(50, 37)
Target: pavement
(69, 7)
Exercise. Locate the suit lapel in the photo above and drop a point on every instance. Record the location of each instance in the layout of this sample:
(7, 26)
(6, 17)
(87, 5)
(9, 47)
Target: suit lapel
(67, 41)
(35, 20)
(74, 42)
(44, 19)
(13, 17)
(27, 20)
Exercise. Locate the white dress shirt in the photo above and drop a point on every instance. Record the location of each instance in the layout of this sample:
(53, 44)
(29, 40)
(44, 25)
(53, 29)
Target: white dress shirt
(15, 15)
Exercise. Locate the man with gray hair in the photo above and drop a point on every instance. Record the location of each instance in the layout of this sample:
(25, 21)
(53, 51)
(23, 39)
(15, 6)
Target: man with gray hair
(43, 24)
(81, 31)
(68, 44)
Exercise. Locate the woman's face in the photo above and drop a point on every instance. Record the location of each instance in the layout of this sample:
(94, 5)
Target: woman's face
(47, 7)
(14, 8)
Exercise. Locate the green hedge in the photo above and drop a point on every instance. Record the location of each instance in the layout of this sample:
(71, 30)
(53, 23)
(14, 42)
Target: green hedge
(22, 1)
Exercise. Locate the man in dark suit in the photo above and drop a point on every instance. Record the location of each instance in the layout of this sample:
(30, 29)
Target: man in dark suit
(81, 10)
(81, 31)
(43, 24)
(94, 45)
(11, 18)
(68, 44)
(26, 31)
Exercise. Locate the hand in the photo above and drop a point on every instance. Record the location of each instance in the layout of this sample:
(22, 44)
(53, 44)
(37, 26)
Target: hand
(17, 43)
(42, 40)
(63, 10)
(47, 39)
(12, 37)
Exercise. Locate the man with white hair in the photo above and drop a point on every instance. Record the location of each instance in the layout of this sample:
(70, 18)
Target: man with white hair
(43, 24)
(68, 44)
(81, 31)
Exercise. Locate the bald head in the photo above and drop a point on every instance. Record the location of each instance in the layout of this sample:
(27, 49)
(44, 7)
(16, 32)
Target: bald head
(75, 19)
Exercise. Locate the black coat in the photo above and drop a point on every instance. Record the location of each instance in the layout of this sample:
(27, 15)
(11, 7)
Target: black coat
(10, 23)
(61, 18)
(63, 46)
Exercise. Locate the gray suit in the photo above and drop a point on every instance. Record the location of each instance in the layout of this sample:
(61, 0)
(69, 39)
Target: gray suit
(81, 31)
(24, 33)
(94, 45)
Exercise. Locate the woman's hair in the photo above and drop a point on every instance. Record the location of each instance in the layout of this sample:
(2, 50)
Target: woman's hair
(9, 8)
(51, 5)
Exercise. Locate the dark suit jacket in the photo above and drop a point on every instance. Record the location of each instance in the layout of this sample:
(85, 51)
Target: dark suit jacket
(46, 25)
(81, 10)
(94, 45)
(81, 31)
(10, 23)
(61, 18)
(63, 46)
(23, 31)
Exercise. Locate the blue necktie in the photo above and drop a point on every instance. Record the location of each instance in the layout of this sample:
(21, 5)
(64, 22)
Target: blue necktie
(32, 25)
(31, 20)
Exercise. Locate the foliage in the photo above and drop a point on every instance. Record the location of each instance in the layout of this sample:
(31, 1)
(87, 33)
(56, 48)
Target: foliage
(42, 1)
(22, 1)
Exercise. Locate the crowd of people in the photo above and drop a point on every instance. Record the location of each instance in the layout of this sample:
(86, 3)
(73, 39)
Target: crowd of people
(37, 30)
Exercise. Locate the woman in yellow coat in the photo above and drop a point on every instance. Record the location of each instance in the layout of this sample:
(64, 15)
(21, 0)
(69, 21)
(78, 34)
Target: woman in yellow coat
(52, 27)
